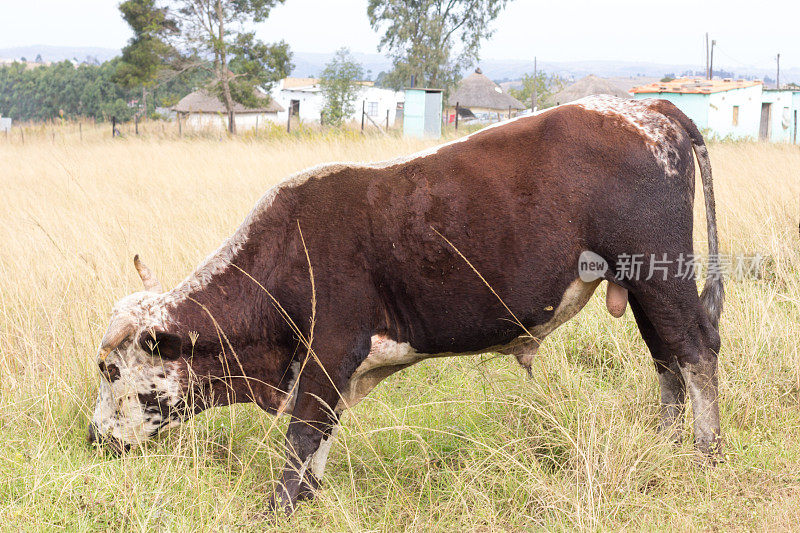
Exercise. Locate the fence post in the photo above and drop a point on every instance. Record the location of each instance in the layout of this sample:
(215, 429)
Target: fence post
(363, 111)
(80, 130)
(457, 116)
(180, 126)
(136, 124)
(387, 121)
(22, 134)
(289, 119)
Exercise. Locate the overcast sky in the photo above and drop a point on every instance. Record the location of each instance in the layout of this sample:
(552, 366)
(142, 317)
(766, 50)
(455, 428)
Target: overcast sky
(748, 33)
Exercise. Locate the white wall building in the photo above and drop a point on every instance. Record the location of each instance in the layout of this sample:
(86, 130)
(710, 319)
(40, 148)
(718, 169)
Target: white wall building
(303, 98)
(201, 110)
(735, 109)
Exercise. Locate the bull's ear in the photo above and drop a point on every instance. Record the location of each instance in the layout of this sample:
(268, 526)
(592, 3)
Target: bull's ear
(161, 344)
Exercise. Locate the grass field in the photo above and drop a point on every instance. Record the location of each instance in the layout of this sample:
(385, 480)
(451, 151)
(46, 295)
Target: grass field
(448, 445)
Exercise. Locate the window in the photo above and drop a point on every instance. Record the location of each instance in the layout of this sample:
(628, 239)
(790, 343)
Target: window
(294, 108)
(736, 115)
(372, 109)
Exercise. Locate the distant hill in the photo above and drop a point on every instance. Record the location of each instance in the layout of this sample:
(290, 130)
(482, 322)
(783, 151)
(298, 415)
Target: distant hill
(310, 64)
(59, 53)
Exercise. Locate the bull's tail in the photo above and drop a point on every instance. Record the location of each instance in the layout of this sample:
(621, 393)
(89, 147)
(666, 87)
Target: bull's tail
(713, 294)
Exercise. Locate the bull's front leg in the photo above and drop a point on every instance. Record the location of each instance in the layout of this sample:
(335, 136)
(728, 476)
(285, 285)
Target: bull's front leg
(312, 427)
(312, 480)
(308, 437)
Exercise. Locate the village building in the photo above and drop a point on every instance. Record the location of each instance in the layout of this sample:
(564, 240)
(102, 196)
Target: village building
(303, 98)
(480, 98)
(590, 85)
(201, 110)
(733, 109)
(422, 113)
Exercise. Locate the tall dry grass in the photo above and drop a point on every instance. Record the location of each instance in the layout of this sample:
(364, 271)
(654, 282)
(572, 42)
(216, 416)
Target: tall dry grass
(457, 444)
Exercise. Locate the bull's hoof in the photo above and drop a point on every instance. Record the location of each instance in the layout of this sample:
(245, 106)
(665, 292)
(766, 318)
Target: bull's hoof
(710, 453)
(308, 488)
(279, 506)
(272, 515)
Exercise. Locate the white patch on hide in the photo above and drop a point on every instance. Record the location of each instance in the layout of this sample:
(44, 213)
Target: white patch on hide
(655, 127)
(385, 356)
(287, 407)
(118, 412)
(320, 457)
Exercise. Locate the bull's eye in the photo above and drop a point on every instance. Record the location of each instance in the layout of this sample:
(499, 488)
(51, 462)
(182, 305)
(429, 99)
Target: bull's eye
(111, 372)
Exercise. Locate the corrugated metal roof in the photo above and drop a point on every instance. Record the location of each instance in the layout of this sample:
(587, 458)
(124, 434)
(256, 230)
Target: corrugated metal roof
(694, 86)
(311, 85)
(291, 83)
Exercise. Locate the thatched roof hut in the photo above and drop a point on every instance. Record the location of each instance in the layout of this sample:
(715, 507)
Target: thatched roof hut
(588, 86)
(203, 102)
(478, 93)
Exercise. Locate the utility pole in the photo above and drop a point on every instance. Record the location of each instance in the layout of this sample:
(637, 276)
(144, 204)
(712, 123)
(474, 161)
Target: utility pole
(711, 64)
(778, 77)
(708, 76)
(533, 94)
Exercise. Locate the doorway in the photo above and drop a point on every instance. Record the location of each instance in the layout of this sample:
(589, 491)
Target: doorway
(766, 115)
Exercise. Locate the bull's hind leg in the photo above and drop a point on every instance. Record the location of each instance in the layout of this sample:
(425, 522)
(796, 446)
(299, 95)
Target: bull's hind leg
(670, 379)
(678, 326)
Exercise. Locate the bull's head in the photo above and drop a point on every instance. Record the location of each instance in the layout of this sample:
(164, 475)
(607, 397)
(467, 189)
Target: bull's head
(144, 381)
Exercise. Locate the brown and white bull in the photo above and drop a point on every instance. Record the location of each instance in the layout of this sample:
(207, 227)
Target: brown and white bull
(467, 248)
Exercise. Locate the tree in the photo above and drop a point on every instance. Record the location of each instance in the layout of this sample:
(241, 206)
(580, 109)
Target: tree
(240, 63)
(45, 92)
(339, 87)
(546, 86)
(144, 56)
(420, 37)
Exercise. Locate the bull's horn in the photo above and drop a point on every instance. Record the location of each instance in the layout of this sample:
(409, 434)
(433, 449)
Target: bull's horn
(151, 283)
(117, 332)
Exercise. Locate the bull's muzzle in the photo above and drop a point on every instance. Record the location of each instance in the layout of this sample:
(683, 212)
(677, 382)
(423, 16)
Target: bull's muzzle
(95, 438)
